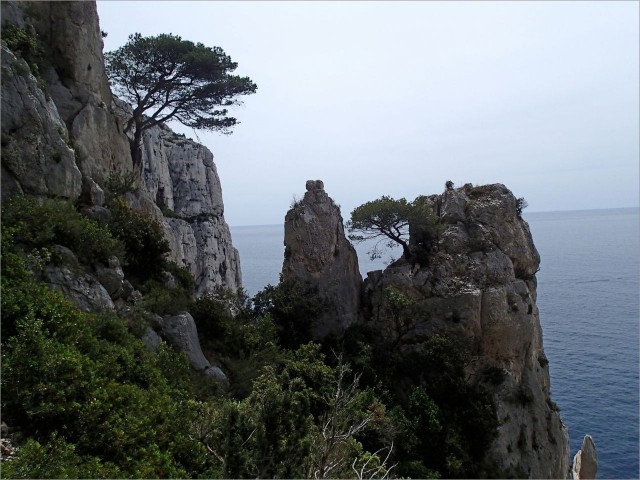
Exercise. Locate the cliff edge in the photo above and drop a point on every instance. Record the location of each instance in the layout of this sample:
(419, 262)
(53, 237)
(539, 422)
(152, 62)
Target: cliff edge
(476, 283)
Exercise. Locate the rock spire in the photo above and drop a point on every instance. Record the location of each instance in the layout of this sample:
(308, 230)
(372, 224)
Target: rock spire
(318, 253)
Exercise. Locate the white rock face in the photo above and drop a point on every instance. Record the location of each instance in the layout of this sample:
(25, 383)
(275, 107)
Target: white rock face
(78, 85)
(182, 178)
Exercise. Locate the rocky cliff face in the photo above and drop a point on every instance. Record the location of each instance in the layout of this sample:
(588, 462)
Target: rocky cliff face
(181, 177)
(477, 283)
(63, 136)
(317, 252)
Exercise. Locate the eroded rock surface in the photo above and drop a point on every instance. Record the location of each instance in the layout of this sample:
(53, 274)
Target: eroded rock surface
(180, 331)
(317, 252)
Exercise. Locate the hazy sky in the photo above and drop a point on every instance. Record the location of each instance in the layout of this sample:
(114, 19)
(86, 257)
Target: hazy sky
(395, 98)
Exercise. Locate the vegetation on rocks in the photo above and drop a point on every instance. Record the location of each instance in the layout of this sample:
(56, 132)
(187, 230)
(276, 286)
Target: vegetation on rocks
(167, 78)
(85, 397)
(389, 220)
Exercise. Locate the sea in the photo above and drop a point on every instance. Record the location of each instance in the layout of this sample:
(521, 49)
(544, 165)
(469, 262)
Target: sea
(588, 291)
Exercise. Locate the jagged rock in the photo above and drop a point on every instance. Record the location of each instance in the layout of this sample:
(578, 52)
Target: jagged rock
(480, 285)
(585, 462)
(180, 176)
(127, 289)
(92, 194)
(35, 156)
(216, 374)
(180, 331)
(453, 207)
(111, 277)
(101, 215)
(317, 252)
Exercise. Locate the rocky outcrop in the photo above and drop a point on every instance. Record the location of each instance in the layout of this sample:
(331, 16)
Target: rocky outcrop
(68, 141)
(81, 287)
(585, 462)
(180, 331)
(36, 157)
(479, 283)
(182, 178)
(318, 253)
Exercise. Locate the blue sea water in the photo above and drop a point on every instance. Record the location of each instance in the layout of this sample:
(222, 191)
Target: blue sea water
(588, 290)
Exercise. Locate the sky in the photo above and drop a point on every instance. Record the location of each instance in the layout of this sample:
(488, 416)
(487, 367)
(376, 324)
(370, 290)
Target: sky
(396, 98)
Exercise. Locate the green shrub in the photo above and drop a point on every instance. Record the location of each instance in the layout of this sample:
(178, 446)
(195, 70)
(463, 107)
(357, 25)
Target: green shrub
(116, 407)
(182, 275)
(143, 240)
(37, 223)
(117, 185)
(56, 458)
(24, 43)
(292, 306)
(165, 301)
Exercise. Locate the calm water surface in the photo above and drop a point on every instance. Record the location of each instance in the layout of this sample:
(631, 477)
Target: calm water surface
(588, 299)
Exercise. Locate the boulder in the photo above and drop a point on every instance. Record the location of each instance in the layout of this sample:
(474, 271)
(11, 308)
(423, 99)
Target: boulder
(111, 277)
(83, 289)
(151, 339)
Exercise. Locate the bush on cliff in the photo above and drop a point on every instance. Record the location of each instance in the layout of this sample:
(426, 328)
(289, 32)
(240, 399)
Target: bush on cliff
(292, 306)
(82, 383)
(41, 223)
(143, 240)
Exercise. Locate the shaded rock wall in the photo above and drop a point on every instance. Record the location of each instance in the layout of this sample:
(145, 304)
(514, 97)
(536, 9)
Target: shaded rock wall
(317, 252)
(36, 156)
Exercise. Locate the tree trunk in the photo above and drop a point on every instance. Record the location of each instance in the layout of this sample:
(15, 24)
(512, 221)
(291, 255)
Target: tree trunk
(136, 150)
(405, 250)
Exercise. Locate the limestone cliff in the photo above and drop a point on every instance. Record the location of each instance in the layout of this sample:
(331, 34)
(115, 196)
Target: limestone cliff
(62, 135)
(477, 283)
(317, 252)
(182, 178)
